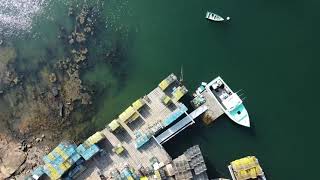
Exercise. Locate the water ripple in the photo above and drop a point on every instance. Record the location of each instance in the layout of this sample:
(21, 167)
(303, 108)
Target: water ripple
(16, 15)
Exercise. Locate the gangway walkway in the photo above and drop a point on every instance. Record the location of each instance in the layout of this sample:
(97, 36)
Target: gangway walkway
(181, 125)
(194, 114)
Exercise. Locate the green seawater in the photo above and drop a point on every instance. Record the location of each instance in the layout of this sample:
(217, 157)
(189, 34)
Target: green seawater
(269, 49)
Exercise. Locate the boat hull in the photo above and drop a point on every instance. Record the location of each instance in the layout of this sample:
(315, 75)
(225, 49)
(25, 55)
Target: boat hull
(213, 17)
(241, 119)
(238, 114)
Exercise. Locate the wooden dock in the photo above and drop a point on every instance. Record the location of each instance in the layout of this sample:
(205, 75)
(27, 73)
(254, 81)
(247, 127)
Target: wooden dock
(131, 145)
(152, 115)
(110, 161)
(214, 110)
(156, 109)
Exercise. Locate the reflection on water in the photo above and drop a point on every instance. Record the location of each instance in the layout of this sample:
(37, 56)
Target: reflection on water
(17, 15)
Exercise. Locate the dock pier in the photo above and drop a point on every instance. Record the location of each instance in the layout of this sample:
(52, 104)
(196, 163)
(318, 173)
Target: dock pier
(213, 109)
(131, 145)
(181, 125)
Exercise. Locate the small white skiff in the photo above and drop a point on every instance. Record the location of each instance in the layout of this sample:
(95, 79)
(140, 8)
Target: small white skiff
(215, 17)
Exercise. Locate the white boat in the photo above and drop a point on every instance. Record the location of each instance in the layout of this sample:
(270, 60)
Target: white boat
(214, 17)
(229, 101)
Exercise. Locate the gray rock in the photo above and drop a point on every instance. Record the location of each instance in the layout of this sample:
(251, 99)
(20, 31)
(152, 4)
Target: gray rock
(23, 148)
(11, 161)
(71, 41)
(70, 12)
(55, 91)
(81, 19)
(61, 106)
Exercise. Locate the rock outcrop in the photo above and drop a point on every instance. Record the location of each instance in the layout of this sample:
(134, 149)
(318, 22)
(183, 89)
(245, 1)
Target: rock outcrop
(11, 157)
(17, 159)
(8, 76)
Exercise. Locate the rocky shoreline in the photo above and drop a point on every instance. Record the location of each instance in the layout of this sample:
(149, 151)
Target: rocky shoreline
(39, 110)
(18, 158)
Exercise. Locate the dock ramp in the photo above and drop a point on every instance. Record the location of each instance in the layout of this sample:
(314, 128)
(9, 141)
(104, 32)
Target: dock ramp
(175, 129)
(181, 125)
(194, 114)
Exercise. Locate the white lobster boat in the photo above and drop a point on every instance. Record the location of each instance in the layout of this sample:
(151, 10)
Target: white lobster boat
(229, 101)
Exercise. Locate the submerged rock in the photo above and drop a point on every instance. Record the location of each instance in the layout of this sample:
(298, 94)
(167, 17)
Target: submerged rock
(40, 105)
(84, 51)
(81, 19)
(52, 78)
(71, 41)
(86, 99)
(78, 58)
(55, 91)
(15, 80)
(72, 91)
(87, 29)
(68, 60)
(70, 12)
(7, 54)
(61, 106)
(80, 37)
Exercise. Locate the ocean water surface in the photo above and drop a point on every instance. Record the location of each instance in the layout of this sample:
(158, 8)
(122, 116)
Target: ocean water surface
(269, 49)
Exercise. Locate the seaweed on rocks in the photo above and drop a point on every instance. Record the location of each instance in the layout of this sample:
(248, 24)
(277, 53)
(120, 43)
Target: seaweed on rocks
(8, 75)
(56, 80)
(44, 93)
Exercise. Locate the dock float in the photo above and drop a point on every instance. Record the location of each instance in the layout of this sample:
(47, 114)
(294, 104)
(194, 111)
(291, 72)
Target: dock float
(203, 98)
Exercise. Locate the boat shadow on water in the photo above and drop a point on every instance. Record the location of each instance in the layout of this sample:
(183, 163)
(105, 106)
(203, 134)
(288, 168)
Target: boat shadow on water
(219, 27)
(248, 131)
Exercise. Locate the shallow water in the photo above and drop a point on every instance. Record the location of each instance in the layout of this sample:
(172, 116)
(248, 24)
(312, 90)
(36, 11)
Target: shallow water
(269, 49)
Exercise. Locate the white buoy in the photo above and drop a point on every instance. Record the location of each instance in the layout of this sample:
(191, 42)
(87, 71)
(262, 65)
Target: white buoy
(228, 18)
